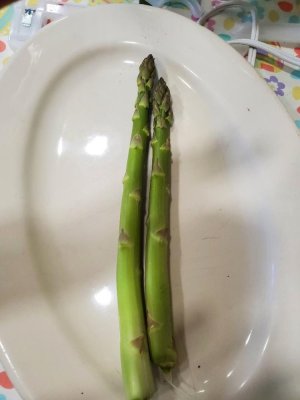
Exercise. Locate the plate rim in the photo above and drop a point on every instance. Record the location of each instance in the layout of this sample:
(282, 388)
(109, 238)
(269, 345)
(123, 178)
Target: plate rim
(56, 25)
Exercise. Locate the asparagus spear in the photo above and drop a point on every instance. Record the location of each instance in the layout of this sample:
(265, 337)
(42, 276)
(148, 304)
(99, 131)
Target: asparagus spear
(136, 366)
(157, 280)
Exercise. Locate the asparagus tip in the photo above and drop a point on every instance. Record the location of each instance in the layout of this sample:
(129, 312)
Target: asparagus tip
(162, 105)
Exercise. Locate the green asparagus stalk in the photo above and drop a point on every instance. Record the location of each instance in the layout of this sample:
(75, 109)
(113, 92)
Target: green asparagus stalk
(136, 365)
(157, 279)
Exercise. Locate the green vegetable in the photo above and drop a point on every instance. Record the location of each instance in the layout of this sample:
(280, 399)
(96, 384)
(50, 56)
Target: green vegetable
(157, 279)
(136, 365)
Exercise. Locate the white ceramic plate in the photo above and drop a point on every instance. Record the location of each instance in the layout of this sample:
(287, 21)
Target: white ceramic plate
(66, 102)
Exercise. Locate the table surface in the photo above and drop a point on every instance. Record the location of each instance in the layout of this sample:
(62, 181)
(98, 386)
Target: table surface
(284, 81)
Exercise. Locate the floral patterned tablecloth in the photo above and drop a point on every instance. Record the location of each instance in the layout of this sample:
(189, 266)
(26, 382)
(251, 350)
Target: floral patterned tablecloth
(283, 80)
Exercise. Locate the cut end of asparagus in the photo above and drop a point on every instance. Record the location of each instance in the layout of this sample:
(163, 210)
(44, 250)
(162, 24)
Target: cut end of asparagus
(166, 360)
(162, 107)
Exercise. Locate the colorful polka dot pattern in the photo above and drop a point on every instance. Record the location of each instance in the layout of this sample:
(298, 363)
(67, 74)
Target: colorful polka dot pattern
(284, 82)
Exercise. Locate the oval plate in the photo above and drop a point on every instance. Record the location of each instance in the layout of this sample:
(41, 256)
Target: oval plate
(66, 102)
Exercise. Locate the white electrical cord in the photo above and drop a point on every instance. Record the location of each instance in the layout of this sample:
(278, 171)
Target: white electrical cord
(243, 5)
(295, 61)
(254, 36)
(253, 41)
